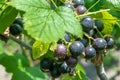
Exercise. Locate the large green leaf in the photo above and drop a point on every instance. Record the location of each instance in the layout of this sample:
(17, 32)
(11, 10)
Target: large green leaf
(7, 17)
(45, 24)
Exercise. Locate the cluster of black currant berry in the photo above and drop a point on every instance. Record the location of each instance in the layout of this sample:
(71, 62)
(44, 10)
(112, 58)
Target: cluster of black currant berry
(69, 49)
(17, 26)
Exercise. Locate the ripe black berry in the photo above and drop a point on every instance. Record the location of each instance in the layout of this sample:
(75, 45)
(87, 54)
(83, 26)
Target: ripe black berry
(61, 51)
(84, 40)
(64, 68)
(78, 2)
(55, 72)
(67, 37)
(99, 25)
(46, 64)
(76, 48)
(90, 52)
(18, 21)
(92, 32)
(15, 29)
(81, 9)
(110, 42)
(69, 6)
(71, 61)
(99, 44)
(87, 23)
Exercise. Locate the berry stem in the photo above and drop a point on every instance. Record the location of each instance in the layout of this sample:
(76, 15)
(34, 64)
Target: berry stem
(99, 32)
(89, 37)
(101, 72)
(90, 13)
(54, 3)
(93, 5)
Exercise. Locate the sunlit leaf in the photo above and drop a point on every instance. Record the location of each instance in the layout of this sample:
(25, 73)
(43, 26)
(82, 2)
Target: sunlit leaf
(45, 24)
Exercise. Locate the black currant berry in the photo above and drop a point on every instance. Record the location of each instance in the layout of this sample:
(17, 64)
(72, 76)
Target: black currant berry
(78, 2)
(92, 32)
(71, 61)
(15, 29)
(46, 64)
(64, 68)
(110, 42)
(81, 9)
(76, 48)
(99, 25)
(67, 37)
(90, 52)
(69, 6)
(87, 23)
(99, 44)
(84, 40)
(19, 21)
(55, 73)
(61, 51)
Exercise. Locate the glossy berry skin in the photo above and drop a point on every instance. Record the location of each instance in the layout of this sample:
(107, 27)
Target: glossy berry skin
(69, 6)
(99, 25)
(87, 23)
(61, 51)
(46, 64)
(64, 68)
(78, 2)
(76, 48)
(19, 21)
(99, 44)
(67, 37)
(84, 40)
(15, 29)
(55, 73)
(71, 61)
(110, 42)
(90, 52)
(92, 32)
(81, 9)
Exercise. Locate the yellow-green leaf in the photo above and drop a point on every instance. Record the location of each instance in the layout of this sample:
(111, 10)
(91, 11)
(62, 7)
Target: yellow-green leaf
(39, 48)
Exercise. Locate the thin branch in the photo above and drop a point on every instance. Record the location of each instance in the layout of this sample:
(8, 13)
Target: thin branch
(19, 42)
(101, 72)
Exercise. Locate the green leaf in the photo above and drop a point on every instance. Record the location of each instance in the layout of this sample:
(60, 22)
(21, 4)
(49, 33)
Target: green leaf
(1, 47)
(10, 62)
(7, 17)
(39, 49)
(93, 5)
(108, 20)
(116, 3)
(45, 24)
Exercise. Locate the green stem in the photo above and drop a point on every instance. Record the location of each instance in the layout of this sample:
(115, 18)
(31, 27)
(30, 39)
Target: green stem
(89, 37)
(93, 5)
(90, 13)
(99, 32)
(54, 3)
